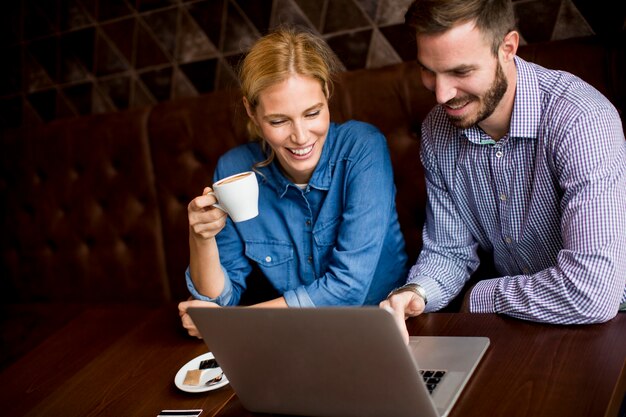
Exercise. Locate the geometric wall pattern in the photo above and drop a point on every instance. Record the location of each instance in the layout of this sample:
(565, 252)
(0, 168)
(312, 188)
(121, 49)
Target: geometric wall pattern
(64, 58)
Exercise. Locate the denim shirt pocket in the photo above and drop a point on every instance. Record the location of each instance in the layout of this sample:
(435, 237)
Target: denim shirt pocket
(325, 238)
(275, 258)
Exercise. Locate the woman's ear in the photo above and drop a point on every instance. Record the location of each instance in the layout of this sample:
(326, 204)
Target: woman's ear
(509, 45)
(249, 110)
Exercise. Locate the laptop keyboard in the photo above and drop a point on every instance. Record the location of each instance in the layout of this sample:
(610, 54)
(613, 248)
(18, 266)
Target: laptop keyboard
(432, 377)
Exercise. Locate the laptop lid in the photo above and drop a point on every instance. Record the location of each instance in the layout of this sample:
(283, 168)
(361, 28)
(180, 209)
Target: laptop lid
(334, 361)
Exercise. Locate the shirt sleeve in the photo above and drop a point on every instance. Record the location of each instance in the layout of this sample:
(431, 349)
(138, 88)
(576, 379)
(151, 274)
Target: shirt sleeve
(448, 255)
(587, 283)
(223, 299)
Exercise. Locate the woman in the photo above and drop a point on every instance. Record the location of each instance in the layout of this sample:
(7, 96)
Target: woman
(327, 232)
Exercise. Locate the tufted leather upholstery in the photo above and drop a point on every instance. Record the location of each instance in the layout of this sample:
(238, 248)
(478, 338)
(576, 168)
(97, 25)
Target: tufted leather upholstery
(94, 208)
(80, 219)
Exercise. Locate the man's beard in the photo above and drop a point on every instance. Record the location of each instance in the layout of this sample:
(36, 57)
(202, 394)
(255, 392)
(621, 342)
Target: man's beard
(490, 101)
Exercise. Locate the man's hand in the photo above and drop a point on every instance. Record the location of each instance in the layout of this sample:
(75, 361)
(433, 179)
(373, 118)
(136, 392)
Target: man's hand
(186, 320)
(403, 305)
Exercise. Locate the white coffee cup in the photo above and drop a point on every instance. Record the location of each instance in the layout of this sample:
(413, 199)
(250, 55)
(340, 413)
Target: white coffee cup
(238, 195)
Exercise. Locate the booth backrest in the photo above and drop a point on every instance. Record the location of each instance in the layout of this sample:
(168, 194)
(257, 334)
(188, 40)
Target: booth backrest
(95, 208)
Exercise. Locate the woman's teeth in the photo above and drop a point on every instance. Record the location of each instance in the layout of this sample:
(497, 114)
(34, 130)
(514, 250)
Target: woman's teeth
(302, 151)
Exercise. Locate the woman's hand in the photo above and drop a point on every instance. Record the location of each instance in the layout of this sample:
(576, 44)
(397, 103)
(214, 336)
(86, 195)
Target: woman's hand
(205, 220)
(184, 316)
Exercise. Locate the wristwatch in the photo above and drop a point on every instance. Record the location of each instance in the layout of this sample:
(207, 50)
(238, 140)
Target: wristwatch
(416, 288)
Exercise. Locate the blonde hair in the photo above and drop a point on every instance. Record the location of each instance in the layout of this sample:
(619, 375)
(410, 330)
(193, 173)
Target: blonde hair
(277, 56)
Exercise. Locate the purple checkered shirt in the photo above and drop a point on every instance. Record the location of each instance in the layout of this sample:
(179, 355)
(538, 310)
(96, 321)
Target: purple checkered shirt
(548, 200)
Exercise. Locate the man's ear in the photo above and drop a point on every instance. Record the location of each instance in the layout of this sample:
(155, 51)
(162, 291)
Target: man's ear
(508, 49)
(249, 110)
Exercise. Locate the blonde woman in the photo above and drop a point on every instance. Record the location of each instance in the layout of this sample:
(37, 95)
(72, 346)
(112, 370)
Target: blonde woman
(327, 232)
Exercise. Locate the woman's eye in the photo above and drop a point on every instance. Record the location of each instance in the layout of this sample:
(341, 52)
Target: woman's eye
(313, 114)
(276, 122)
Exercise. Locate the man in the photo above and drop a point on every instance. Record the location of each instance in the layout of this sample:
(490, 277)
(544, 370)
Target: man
(526, 163)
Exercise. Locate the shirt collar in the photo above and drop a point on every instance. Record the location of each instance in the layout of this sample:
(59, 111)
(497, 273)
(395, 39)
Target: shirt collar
(321, 175)
(526, 108)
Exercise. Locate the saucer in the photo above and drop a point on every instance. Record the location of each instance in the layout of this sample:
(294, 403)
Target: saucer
(209, 374)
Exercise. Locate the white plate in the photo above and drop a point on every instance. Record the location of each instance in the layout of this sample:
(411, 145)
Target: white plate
(195, 364)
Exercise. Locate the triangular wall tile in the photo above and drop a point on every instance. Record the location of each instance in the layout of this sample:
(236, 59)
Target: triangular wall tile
(352, 48)
(80, 95)
(100, 103)
(181, 86)
(288, 13)
(30, 117)
(64, 108)
(536, 19)
(391, 12)
(226, 78)
(44, 51)
(118, 90)
(148, 51)
(240, 35)
(140, 96)
(402, 39)
(369, 7)
(38, 21)
(164, 25)
(122, 34)
(79, 44)
(112, 9)
(74, 16)
(146, 5)
(201, 74)
(570, 23)
(159, 82)
(44, 104)
(193, 43)
(343, 15)
(381, 53)
(258, 12)
(35, 76)
(209, 16)
(107, 58)
(314, 10)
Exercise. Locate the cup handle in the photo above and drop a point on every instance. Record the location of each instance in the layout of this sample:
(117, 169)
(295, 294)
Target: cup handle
(216, 204)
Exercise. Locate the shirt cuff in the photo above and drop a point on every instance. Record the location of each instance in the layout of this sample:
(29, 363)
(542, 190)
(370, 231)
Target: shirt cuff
(432, 290)
(223, 299)
(483, 296)
(298, 298)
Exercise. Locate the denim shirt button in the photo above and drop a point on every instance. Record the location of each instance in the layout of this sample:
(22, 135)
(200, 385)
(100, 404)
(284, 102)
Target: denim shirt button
(268, 259)
(309, 259)
(308, 222)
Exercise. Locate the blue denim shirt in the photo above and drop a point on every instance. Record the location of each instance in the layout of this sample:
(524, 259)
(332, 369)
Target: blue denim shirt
(336, 242)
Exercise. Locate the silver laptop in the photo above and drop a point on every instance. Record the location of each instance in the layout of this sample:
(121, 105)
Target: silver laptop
(335, 361)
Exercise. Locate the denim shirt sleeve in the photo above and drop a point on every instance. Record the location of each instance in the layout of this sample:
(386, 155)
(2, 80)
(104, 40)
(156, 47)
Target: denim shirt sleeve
(223, 299)
(298, 297)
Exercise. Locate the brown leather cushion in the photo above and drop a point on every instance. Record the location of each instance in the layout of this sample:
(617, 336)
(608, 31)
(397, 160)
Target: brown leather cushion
(80, 220)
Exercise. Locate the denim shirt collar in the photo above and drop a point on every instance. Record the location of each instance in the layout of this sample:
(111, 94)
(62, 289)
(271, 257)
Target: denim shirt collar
(321, 177)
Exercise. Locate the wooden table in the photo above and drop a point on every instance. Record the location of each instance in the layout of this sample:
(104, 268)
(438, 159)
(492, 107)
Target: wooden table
(121, 362)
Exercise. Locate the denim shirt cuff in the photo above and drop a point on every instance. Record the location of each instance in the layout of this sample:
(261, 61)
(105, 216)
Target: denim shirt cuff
(298, 298)
(222, 300)
(432, 289)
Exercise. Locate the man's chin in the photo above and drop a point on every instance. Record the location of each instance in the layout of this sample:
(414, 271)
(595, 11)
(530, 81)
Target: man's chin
(460, 122)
